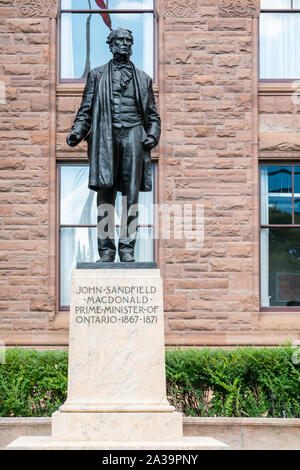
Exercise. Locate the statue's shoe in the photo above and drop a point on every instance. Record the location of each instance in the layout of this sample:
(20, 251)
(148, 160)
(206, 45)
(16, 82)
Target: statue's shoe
(126, 257)
(106, 258)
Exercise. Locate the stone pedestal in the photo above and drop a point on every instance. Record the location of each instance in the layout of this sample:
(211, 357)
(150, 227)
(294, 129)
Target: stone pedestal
(116, 382)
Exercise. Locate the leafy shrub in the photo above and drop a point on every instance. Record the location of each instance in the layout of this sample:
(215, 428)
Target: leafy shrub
(32, 383)
(243, 382)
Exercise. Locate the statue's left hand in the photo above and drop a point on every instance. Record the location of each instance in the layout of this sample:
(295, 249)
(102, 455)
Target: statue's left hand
(149, 143)
(73, 139)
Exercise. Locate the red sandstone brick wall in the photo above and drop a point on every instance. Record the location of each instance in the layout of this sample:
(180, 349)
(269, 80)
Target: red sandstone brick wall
(207, 66)
(25, 303)
(279, 123)
(207, 86)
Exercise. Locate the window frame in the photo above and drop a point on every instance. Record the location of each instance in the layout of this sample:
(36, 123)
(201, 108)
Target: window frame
(288, 226)
(74, 81)
(59, 165)
(275, 80)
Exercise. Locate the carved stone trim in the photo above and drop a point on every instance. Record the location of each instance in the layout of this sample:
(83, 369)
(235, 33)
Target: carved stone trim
(276, 89)
(179, 8)
(240, 8)
(36, 8)
(279, 155)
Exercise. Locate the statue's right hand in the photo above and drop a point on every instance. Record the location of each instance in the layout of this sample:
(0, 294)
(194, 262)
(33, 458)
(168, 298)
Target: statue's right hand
(73, 139)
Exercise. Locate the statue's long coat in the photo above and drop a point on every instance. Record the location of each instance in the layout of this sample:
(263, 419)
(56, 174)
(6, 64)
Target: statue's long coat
(93, 122)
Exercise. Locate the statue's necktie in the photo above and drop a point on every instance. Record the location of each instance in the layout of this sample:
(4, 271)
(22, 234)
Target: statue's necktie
(126, 73)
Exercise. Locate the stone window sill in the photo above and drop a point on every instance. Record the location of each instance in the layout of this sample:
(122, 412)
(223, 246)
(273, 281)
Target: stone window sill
(277, 88)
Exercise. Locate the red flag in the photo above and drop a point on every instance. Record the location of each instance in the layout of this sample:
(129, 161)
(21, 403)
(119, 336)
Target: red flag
(106, 17)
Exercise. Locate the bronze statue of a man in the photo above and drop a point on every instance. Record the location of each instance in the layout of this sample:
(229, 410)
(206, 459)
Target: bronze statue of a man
(119, 119)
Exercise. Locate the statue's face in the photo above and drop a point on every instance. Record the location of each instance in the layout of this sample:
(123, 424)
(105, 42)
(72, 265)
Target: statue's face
(122, 43)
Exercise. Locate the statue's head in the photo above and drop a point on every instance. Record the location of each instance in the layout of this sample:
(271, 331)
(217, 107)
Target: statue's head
(120, 41)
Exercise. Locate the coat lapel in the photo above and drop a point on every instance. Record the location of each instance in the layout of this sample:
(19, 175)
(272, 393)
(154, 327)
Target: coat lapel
(142, 91)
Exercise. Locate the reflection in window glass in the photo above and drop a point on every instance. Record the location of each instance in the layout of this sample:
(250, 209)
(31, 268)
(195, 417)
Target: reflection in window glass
(77, 59)
(275, 4)
(297, 209)
(76, 245)
(276, 195)
(297, 194)
(280, 245)
(79, 244)
(110, 4)
(280, 210)
(297, 179)
(280, 179)
(78, 207)
(279, 45)
(280, 254)
(77, 201)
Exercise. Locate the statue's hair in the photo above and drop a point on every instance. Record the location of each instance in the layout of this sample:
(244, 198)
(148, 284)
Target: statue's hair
(113, 33)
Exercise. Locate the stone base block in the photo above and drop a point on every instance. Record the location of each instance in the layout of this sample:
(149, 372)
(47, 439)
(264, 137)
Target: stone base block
(116, 426)
(48, 443)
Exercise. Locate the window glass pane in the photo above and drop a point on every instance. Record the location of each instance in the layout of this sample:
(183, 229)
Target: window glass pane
(77, 59)
(130, 4)
(109, 4)
(279, 45)
(79, 244)
(282, 256)
(276, 195)
(146, 207)
(76, 4)
(144, 245)
(264, 267)
(297, 194)
(76, 245)
(78, 206)
(275, 4)
(296, 4)
(77, 202)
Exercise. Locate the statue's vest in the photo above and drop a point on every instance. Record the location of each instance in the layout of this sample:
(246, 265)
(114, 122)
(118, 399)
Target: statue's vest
(125, 110)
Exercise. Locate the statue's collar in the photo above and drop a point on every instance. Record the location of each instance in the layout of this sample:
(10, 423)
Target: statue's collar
(121, 64)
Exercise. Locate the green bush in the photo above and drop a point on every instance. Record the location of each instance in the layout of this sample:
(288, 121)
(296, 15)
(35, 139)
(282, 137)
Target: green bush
(246, 382)
(200, 382)
(32, 383)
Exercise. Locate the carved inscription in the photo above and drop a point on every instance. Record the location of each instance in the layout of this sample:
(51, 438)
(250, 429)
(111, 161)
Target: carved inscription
(118, 305)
